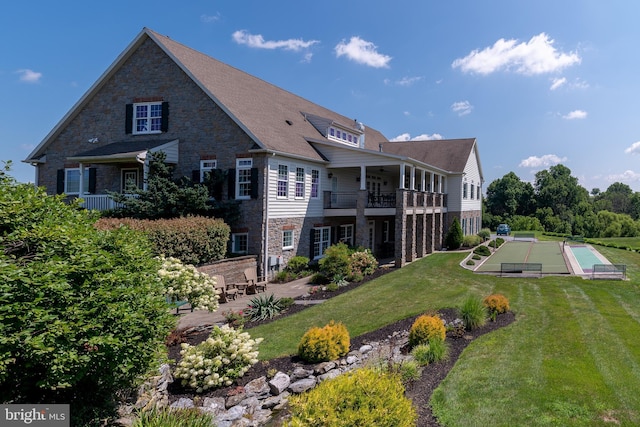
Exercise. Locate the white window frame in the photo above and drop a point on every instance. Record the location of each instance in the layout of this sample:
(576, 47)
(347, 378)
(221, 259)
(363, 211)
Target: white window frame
(288, 239)
(237, 240)
(346, 234)
(152, 118)
(321, 241)
(315, 183)
(282, 183)
(243, 178)
(207, 166)
(300, 181)
(472, 191)
(76, 190)
(464, 190)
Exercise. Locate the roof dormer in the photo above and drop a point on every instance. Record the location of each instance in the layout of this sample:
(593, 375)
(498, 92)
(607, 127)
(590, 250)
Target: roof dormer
(338, 132)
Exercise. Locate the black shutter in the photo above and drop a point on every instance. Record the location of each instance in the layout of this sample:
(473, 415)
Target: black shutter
(231, 175)
(60, 182)
(164, 124)
(254, 183)
(92, 180)
(311, 243)
(128, 119)
(195, 176)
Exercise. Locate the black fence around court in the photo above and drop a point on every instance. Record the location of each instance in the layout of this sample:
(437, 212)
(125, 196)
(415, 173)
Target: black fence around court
(520, 268)
(605, 271)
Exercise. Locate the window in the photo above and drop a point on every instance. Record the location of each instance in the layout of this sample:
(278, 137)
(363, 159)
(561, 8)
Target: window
(299, 183)
(239, 243)
(72, 181)
(147, 117)
(243, 178)
(207, 166)
(321, 241)
(385, 231)
(315, 183)
(464, 190)
(283, 180)
(478, 189)
(472, 193)
(346, 234)
(287, 239)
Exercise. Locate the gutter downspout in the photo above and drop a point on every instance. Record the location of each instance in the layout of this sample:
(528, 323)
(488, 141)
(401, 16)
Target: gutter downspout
(265, 261)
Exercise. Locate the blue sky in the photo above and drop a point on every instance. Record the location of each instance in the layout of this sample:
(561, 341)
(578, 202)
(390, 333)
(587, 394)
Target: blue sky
(537, 83)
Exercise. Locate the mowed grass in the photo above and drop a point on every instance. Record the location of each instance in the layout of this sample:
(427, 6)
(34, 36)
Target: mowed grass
(572, 358)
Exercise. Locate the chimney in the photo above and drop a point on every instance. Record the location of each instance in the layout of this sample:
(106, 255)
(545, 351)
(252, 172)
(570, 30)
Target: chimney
(361, 128)
(380, 147)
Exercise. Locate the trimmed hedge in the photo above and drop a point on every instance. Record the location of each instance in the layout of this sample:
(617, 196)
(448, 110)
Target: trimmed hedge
(193, 240)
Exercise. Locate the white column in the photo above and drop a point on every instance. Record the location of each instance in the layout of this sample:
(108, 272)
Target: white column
(81, 189)
(363, 177)
(423, 180)
(412, 178)
(402, 172)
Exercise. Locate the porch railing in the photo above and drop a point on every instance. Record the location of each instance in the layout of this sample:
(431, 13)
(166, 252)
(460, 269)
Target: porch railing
(348, 200)
(100, 202)
(340, 200)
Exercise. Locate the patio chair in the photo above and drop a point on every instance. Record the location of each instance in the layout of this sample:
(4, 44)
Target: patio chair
(227, 292)
(255, 284)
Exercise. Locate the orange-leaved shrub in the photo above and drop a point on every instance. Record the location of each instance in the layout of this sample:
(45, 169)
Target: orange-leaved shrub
(426, 328)
(324, 344)
(496, 304)
(193, 240)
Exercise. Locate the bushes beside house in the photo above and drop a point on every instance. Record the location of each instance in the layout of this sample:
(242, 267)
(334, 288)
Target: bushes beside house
(83, 312)
(193, 240)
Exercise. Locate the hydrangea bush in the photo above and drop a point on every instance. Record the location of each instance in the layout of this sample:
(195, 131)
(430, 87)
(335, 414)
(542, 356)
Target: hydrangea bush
(185, 282)
(226, 355)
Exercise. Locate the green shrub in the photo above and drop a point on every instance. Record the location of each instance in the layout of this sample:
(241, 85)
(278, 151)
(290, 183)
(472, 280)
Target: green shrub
(473, 313)
(319, 279)
(324, 344)
(454, 236)
(191, 417)
(470, 262)
(193, 240)
(482, 251)
(286, 302)
(484, 234)
(297, 264)
(83, 312)
(476, 257)
(363, 263)
(332, 287)
(226, 355)
(426, 328)
(434, 350)
(263, 307)
(336, 260)
(364, 397)
(408, 370)
(471, 240)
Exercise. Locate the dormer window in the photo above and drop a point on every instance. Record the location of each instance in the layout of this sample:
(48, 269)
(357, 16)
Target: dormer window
(342, 136)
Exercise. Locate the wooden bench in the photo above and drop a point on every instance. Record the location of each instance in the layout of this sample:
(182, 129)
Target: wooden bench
(227, 292)
(520, 267)
(255, 284)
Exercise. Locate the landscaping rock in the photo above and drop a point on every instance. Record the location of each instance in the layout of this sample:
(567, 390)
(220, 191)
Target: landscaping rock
(279, 383)
(302, 385)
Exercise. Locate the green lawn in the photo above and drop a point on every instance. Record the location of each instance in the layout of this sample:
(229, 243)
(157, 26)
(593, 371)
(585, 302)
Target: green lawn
(571, 358)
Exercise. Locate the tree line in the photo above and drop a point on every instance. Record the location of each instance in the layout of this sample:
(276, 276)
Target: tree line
(556, 202)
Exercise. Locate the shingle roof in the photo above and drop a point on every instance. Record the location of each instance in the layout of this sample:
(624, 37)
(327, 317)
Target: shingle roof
(273, 116)
(450, 154)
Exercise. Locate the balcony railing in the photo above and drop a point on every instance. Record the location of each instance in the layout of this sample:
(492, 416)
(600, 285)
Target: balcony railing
(100, 202)
(348, 200)
(340, 200)
(382, 200)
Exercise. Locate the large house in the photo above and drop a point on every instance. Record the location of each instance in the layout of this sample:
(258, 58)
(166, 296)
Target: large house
(305, 176)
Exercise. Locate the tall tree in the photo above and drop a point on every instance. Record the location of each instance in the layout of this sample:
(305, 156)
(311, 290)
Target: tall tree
(508, 196)
(560, 192)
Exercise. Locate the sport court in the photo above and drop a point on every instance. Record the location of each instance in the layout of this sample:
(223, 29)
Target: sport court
(549, 254)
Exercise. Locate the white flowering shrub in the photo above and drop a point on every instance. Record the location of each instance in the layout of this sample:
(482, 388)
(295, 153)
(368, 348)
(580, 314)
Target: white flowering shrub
(185, 282)
(226, 355)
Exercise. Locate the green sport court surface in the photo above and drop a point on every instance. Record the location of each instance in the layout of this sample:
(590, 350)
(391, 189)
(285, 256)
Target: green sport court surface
(549, 254)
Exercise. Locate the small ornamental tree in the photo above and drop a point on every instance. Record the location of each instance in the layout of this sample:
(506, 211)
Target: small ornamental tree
(454, 237)
(83, 312)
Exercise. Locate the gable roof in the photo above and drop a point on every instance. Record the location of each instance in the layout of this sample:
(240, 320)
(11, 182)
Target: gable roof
(447, 154)
(273, 117)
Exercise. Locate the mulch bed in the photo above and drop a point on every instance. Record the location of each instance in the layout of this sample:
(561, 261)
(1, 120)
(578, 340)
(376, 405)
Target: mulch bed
(418, 391)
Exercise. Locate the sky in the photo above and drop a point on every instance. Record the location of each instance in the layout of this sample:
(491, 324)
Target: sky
(538, 83)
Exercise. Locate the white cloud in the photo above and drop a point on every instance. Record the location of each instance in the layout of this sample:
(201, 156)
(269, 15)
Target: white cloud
(29, 76)
(576, 114)
(557, 82)
(633, 148)
(404, 137)
(362, 52)
(210, 18)
(544, 161)
(257, 41)
(626, 176)
(537, 56)
(408, 81)
(462, 108)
